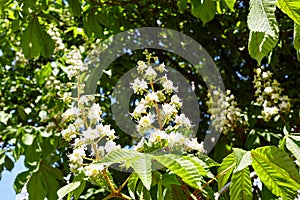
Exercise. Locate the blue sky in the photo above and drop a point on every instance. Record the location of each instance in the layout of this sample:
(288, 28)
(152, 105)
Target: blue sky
(7, 181)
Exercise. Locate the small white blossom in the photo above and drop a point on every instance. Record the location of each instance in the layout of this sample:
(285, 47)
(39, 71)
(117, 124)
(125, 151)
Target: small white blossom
(193, 144)
(175, 100)
(151, 97)
(70, 113)
(183, 121)
(141, 66)
(176, 138)
(77, 155)
(95, 113)
(111, 145)
(83, 100)
(169, 110)
(93, 170)
(69, 133)
(105, 131)
(150, 74)
(90, 135)
(78, 123)
(169, 87)
(158, 136)
(145, 121)
(161, 68)
(139, 86)
(268, 90)
(139, 110)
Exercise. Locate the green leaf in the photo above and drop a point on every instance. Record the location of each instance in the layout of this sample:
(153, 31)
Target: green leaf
(205, 10)
(9, 164)
(22, 113)
(35, 187)
(169, 179)
(260, 44)
(182, 5)
(276, 170)
(75, 7)
(296, 39)
(132, 183)
(182, 168)
(119, 156)
(141, 163)
(92, 24)
(295, 137)
(293, 148)
(230, 4)
(42, 74)
(143, 167)
(20, 181)
(176, 192)
(263, 28)
(142, 192)
(244, 162)
(62, 192)
(241, 185)
(291, 8)
(197, 162)
(225, 170)
(35, 41)
(49, 177)
(43, 183)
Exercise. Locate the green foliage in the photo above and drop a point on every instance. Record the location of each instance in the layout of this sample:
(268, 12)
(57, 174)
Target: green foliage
(263, 28)
(36, 38)
(291, 8)
(241, 185)
(35, 41)
(225, 170)
(204, 10)
(276, 170)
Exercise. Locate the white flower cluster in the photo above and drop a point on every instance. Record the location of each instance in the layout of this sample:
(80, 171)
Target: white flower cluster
(55, 35)
(174, 129)
(75, 64)
(268, 93)
(224, 110)
(85, 129)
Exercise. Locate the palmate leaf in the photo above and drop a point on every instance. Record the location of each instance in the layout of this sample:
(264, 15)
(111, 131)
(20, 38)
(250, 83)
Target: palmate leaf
(44, 182)
(241, 186)
(276, 170)
(183, 168)
(291, 8)
(35, 41)
(263, 28)
(141, 163)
